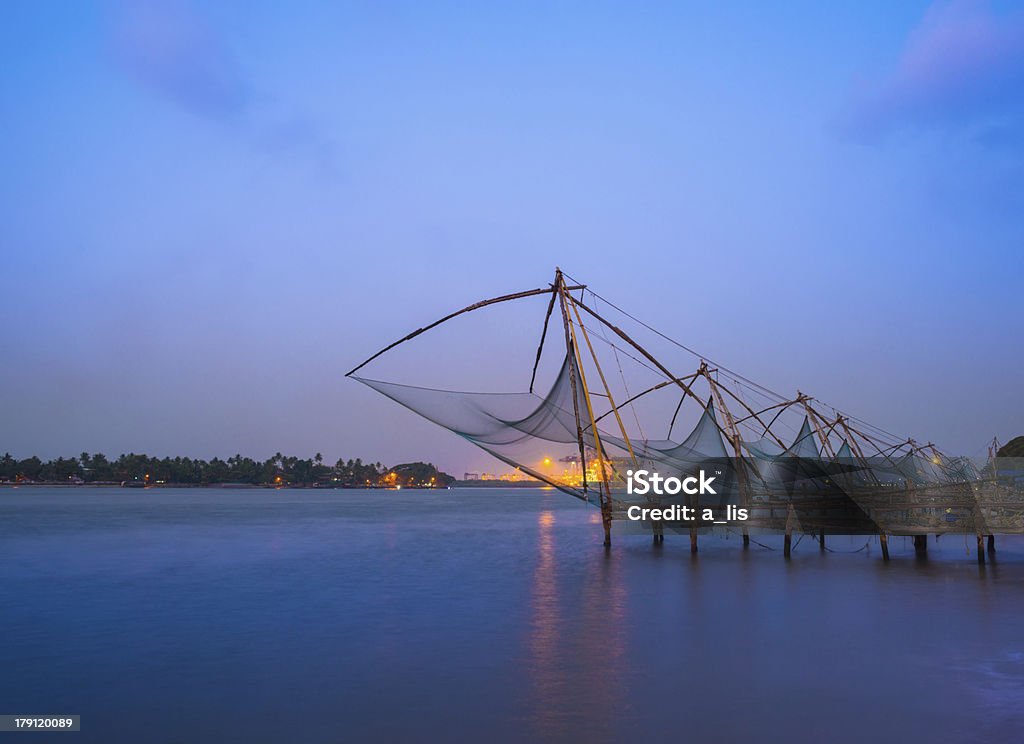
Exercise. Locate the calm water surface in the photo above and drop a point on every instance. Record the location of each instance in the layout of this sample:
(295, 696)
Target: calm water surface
(495, 615)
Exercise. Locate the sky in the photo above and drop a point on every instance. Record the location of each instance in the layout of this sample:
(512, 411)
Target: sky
(209, 212)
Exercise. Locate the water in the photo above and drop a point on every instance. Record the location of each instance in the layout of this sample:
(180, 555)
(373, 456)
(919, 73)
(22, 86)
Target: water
(468, 615)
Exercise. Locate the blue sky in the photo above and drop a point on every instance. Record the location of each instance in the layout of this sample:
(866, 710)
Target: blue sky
(209, 212)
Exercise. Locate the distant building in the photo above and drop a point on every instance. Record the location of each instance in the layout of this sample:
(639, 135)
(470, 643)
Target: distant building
(513, 477)
(516, 476)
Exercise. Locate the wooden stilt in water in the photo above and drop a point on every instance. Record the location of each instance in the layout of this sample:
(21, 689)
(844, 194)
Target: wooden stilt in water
(921, 544)
(693, 539)
(821, 540)
(884, 540)
(981, 549)
(607, 531)
(746, 538)
(787, 545)
(991, 543)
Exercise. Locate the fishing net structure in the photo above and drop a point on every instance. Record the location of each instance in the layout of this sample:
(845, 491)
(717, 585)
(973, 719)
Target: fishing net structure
(621, 397)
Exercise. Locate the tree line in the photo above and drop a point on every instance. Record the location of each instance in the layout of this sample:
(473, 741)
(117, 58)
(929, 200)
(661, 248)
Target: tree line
(277, 470)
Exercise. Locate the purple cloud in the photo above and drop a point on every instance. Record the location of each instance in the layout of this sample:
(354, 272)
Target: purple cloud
(963, 65)
(169, 48)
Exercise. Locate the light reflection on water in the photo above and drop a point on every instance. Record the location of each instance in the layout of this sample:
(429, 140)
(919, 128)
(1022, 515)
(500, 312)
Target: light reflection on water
(466, 615)
(573, 660)
(546, 667)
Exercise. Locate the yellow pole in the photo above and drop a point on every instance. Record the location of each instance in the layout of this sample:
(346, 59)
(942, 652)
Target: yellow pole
(604, 382)
(606, 504)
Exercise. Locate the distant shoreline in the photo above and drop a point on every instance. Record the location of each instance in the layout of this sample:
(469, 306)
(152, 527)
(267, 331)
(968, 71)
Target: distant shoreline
(228, 486)
(500, 484)
(279, 486)
(143, 471)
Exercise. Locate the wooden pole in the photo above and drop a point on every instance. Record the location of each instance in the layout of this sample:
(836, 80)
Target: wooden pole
(737, 443)
(812, 416)
(651, 389)
(991, 543)
(787, 545)
(543, 335)
(821, 540)
(884, 540)
(606, 493)
(570, 358)
(921, 544)
(751, 413)
(647, 355)
(855, 448)
(470, 308)
(981, 549)
(604, 382)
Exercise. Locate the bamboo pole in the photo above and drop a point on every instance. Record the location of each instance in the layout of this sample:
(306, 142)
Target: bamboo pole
(604, 382)
(855, 448)
(606, 495)
(787, 545)
(813, 416)
(750, 411)
(651, 389)
(601, 455)
(737, 443)
(783, 408)
(647, 355)
(467, 309)
(570, 357)
(543, 335)
(672, 423)
(783, 404)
